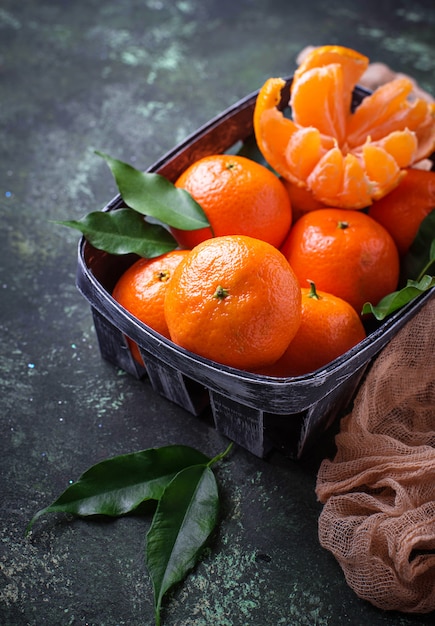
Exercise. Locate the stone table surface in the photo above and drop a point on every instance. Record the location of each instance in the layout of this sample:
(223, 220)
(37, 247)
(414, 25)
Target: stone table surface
(133, 78)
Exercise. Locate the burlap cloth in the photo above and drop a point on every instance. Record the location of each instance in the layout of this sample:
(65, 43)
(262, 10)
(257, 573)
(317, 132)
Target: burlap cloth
(378, 518)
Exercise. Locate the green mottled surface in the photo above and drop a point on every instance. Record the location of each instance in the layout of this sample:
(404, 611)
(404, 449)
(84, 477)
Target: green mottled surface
(133, 78)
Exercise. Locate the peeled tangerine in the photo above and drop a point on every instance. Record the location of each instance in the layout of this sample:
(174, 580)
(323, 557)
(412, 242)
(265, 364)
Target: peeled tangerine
(346, 159)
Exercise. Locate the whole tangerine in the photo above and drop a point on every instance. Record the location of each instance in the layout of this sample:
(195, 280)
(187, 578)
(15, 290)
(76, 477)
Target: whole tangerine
(239, 197)
(329, 327)
(301, 199)
(235, 300)
(141, 290)
(345, 253)
(403, 209)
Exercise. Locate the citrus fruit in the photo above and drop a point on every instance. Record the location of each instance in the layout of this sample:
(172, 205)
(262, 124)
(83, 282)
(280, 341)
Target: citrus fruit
(345, 253)
(301, 199)
(346, 158)
(329, 327)
(235, 300)
(239, 197)
(141, 290)
(403, 209)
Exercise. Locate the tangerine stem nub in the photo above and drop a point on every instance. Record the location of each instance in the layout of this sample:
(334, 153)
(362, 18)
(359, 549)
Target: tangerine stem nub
(221, 293)
(342, 225)
(313, 293)
(162, 275)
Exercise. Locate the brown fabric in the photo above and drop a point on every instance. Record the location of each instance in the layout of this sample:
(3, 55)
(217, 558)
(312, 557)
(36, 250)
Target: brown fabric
(378, 518)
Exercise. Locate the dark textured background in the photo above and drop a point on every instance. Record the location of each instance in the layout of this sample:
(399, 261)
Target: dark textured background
(133, 78)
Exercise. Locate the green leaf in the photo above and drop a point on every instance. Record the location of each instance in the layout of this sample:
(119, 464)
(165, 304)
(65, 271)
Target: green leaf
(123, 231)
(185, 516)
(120, 484)
(396, 300)
(421, 255)
(154, 195)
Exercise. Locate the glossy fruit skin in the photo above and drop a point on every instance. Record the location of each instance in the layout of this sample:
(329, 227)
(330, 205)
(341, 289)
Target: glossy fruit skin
(403, 209)
(239, 196)
(345, 253)
(141, 290)
(234, 300)
(301, 199)
(329, 327)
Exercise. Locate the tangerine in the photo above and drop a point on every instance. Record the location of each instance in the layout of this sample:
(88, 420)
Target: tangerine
(235, 300)
(329, 327)
(239, 196)
(403, 209)
(141, 290)
(345, 253)
(301, 199)
(346, 158)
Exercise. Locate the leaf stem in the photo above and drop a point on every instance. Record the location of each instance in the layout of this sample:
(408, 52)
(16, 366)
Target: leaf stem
(221, 455)
(425, 269)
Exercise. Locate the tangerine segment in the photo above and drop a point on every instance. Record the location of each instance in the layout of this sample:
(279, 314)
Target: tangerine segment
(305, 148)
(326, 179)
(354, 64)
(357, 187)
(324, 85)
(382, 170)
(234, 300)
(401, 144)
(387, 109)
(339, 180)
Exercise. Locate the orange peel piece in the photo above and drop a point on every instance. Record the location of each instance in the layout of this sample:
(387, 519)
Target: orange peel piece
(271, 126)
(344, 158)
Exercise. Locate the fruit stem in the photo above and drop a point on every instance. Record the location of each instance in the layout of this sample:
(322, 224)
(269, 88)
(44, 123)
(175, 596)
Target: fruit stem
(313, 293)
(220, 293)
(162, 275)
(342, 225)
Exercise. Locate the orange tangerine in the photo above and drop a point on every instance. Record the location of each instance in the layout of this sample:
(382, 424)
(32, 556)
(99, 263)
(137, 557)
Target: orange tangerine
(235, 300)
(346, 158)
(345, 253)
(403, 209)
(329, 327)
(239, 197)
(141, 290)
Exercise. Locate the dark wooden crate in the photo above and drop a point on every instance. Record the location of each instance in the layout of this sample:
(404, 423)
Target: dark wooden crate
(257, 412)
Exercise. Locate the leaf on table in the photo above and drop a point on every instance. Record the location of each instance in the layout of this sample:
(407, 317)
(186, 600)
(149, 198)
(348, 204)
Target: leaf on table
(123, 231)
(120, 484)
(185, 516)
(396, 300)
(154, 195)
(421, 255)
